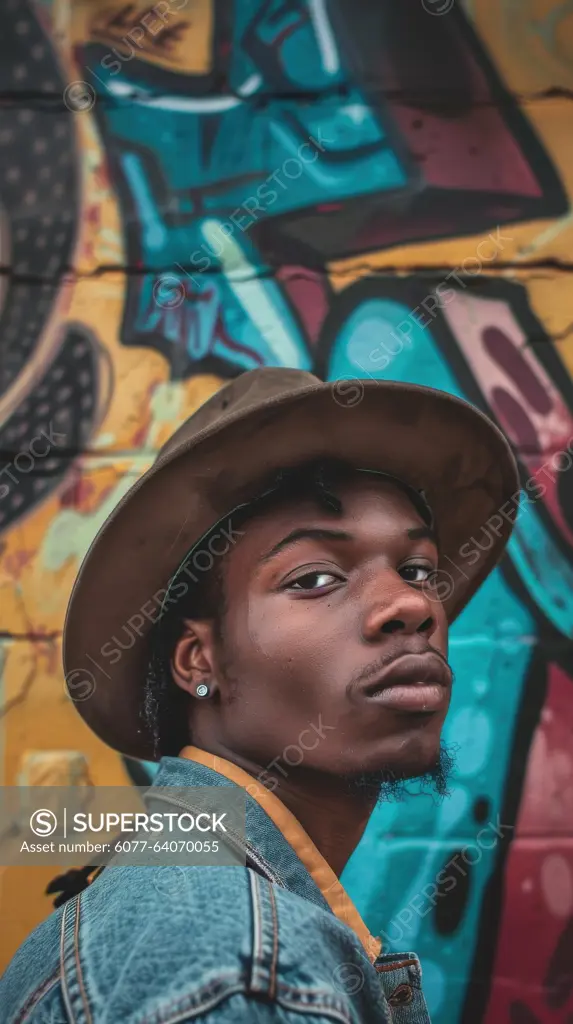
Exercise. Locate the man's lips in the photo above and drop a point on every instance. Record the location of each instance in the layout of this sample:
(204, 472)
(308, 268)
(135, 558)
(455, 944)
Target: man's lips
(411, 683)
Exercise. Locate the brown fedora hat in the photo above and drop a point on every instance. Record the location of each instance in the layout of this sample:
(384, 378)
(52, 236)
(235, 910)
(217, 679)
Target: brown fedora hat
(262, 420)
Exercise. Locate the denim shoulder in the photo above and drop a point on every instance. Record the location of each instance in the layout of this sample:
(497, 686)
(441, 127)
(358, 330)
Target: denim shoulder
(181, 944)
(136, 936)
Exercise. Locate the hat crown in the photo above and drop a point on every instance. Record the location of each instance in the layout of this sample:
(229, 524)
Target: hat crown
(248, 389)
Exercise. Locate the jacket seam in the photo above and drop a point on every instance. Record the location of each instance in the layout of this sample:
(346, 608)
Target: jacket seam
(65, 952)
(265, 945)
(258, 861)
(184, 1008)
(274, 961)
(78, 962)
(65, 993)
(258, 936)
(334, 1005)
(316, 1008)
(188, 1004)
(34, 999)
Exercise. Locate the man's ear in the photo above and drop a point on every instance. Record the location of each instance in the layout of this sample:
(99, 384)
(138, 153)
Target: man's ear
(193, 660)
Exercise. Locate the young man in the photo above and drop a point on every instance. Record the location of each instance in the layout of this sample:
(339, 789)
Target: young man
(318, 625)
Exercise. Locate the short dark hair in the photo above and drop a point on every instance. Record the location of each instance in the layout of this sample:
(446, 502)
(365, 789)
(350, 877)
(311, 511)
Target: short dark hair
(165, 705)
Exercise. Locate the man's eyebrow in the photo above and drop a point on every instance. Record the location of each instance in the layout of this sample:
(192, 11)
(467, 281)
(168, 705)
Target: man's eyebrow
(317, 533)
(305, 533)
(423, 533)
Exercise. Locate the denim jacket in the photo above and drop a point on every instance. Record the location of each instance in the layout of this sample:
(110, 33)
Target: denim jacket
(255, 943)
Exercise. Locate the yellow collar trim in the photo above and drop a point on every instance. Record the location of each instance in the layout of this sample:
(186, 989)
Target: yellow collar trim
(317, 867)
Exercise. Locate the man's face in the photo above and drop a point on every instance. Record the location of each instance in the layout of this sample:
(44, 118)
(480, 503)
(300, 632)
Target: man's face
(333, 644)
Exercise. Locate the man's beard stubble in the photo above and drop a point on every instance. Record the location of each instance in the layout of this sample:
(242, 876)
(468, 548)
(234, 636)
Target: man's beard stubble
(387, 785)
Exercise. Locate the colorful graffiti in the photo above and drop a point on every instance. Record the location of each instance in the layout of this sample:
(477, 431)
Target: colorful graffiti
(197, 187)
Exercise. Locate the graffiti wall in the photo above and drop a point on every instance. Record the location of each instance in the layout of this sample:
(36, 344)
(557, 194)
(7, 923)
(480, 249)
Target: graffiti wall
(367, 189)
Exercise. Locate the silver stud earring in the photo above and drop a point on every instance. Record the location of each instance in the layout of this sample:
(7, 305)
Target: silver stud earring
(202, 690)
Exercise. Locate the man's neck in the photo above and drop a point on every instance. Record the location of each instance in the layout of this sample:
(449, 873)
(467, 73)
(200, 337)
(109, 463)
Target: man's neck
(332, 813)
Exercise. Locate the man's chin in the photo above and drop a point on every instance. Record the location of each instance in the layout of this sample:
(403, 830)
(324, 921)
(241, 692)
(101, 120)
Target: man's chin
(394, 782)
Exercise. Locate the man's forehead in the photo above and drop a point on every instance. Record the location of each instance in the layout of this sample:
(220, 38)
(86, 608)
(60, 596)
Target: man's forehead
(362, 502)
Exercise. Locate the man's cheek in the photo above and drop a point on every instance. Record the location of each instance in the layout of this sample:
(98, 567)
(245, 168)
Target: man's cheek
(278, 629)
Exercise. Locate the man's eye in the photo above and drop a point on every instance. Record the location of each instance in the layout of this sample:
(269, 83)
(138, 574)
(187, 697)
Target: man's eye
(416, 573)
(313, 581)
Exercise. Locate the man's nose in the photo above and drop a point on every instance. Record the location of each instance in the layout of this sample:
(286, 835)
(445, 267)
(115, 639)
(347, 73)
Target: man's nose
(397, 607)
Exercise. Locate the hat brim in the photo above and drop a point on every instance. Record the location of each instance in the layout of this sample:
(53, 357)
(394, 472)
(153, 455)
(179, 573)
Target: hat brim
(431, 439)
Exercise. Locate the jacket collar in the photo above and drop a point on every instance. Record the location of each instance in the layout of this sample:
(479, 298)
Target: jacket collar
(276, 842)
